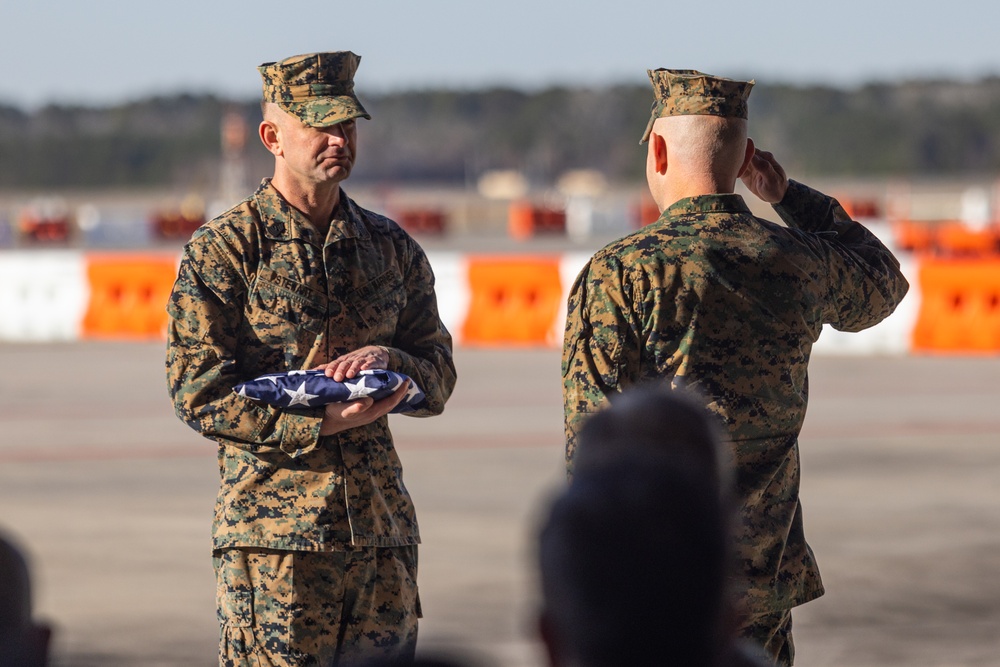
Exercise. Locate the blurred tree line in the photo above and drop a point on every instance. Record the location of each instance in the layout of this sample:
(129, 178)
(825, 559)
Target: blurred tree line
(918, 128)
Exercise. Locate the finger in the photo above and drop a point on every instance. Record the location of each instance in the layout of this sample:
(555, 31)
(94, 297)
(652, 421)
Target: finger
(357, 407)
(340, 370)
(779, 170)
(385, 405)
(353, 368)
(762, 164)
(331, 366)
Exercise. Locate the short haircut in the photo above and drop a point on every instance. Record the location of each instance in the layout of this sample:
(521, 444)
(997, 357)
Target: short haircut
(635, 553)
(15, 587)
(669, 423)
(633, 558)
(708, 144)
(23, 642)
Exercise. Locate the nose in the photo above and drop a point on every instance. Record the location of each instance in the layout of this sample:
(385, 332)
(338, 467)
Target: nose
(337, 133)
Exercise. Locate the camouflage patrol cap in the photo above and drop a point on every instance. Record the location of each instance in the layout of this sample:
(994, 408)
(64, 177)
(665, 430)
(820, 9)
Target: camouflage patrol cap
(688, 92)
(318, 88)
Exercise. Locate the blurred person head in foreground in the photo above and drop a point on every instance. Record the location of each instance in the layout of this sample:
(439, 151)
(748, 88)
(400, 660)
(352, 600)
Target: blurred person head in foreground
(23, 641)
(635, 554)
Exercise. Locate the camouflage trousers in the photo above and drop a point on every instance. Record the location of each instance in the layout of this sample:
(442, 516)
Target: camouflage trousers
(773, 633)
(309, 609)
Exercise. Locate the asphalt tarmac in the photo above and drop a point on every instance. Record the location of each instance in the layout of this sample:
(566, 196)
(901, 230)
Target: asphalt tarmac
(112, 498)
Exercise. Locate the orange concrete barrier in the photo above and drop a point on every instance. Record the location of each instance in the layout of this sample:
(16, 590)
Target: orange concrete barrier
(959, 307)
(513, 301)
(955, 238)
(128, 296)
(914, 236)
(525, 220)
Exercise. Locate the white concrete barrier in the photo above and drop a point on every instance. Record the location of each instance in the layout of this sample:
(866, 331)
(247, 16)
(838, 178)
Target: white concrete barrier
(891, 336)
(451, 286)
(43, 295)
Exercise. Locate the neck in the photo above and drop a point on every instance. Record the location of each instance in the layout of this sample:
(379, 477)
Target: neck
(316, 203)
(674, 190)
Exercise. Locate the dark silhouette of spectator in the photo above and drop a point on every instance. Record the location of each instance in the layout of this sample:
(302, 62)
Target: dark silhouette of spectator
(664, 422)
(635, 553)
(23, 642)
(427, 660)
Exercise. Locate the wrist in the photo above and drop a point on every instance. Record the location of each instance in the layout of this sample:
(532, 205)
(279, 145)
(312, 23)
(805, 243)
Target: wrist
(780, 192)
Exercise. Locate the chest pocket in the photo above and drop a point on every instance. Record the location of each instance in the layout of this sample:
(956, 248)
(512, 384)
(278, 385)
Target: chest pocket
(377, 305)
(285, 316)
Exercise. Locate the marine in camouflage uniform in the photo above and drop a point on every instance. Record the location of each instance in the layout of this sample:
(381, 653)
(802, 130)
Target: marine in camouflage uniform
(728, 305)
(314, 534)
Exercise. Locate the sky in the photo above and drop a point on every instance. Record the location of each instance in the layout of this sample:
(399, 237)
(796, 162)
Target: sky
(98, 52)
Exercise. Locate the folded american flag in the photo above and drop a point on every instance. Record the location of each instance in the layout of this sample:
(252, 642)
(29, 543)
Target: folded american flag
(309, 388)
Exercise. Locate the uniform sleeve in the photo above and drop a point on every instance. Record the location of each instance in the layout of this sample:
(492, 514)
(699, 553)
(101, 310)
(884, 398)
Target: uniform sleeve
(206, 309)
(421, 345)
(602, 334)
(865, 282)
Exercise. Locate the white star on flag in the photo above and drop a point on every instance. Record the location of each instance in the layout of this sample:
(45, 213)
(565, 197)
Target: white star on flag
(413, 391)
(299, 396)
(358, 388)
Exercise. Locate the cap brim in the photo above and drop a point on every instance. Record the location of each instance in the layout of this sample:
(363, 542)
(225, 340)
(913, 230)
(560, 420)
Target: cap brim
(649, 128)
(326, 111)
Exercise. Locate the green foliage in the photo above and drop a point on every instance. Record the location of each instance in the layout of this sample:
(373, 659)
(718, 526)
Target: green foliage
(453, 136)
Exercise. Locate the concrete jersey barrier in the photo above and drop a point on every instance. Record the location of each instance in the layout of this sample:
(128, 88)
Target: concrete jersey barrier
(484, 300)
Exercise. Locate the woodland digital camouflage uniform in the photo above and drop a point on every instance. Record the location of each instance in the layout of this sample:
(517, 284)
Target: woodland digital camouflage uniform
(260, 291)
(728, 305)
(300, 612)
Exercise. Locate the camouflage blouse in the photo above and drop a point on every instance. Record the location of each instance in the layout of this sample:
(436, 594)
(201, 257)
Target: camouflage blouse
(259, 291)
(728, 305)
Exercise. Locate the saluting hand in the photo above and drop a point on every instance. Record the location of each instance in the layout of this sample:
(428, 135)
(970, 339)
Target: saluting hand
(765, 177)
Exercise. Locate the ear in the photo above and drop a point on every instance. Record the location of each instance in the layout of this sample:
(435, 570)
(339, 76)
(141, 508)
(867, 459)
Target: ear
(658, 145)
(270, 136)
(747, 156)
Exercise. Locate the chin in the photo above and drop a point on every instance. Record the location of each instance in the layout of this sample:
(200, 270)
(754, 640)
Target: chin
(337, 174)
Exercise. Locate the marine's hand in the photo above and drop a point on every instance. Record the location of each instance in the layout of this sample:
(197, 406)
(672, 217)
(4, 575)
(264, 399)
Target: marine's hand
(341, 416)
(765, 177)
(348, 365)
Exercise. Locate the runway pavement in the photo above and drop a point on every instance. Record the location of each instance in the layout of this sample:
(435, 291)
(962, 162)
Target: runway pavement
(112, 497)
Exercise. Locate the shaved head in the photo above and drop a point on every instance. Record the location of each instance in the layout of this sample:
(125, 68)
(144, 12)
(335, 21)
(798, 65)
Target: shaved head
(708, 145)
(270, 111)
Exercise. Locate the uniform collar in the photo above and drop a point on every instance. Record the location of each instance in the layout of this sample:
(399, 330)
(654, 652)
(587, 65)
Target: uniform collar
(719, 203)
(284, 222)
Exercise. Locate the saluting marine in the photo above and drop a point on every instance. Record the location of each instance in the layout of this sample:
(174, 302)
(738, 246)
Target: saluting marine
(315, 534)
(728, 305)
